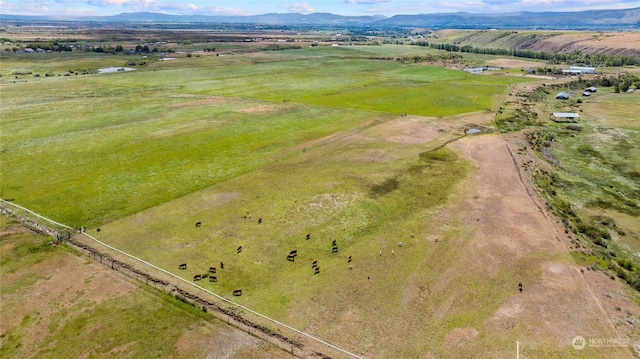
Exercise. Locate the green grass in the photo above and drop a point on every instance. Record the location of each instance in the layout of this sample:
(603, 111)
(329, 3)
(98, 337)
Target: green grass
(110, 152)
(595, 190)
(112, 146)
(137, 322)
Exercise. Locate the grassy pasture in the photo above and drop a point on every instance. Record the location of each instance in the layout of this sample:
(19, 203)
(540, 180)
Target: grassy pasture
(116, 144)
(58, 305)
(308, 140)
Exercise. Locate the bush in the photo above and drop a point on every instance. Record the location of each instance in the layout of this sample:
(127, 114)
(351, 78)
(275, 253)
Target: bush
(21, 72)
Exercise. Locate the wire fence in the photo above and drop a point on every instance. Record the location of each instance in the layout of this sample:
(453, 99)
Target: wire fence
(297, 342)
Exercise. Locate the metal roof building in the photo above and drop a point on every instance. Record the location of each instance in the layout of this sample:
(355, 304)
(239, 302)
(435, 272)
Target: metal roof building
(564, 117)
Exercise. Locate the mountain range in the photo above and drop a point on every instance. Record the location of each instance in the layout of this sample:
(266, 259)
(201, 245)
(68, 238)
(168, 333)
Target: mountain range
(605, 19)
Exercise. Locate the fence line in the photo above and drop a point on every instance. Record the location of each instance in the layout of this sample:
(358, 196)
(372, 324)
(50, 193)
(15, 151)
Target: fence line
(190, 283)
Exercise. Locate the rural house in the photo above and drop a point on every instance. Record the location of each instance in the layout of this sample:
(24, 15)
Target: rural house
(562, 96)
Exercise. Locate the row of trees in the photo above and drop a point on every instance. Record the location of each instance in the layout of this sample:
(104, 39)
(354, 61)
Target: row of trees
(550, 57)
(55, 46)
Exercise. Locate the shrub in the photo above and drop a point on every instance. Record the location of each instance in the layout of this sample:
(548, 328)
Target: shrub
(21, 72)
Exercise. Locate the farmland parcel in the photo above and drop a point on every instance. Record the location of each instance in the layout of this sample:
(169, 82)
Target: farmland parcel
(265, 148)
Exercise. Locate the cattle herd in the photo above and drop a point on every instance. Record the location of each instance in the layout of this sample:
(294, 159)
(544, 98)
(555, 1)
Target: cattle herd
(290, 257)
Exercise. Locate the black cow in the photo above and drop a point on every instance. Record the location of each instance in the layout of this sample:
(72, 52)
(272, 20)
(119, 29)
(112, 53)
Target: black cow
(221, 265)
(239, 249)
(212, 269)
(334, 243)
(291, 258)
(237, 292)
(182, 266)
(198, 224)
(197, 277)
(293, 253)
(308, 236)
(520, 287)
(259, 220)
(316, 270)
(334, 249)
(213, 278)
(349, 259)
(314, 264)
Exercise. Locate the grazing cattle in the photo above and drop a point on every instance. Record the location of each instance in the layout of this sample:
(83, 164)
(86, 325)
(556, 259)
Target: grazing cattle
(198, 224)
(308, 236)
(520, 287)
(314, 264)
(182, 266)
(239, 249)
(205, 275)
(349, 259)
(334, 243)
(334, 249)
(213, 278)
(197, 277)
(316, 270)
(212, 269)
(259, 220)
(291, 258)
(400, 244)
(293, 252)
(221, 265)
(237, 292)
(350, 267)
(393, 253)
(380, 254)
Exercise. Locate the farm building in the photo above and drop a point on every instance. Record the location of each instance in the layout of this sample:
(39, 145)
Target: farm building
(564, 117)
(579, 70)
(583, 69)
(591, 89)
(586, 93)
(562, 96)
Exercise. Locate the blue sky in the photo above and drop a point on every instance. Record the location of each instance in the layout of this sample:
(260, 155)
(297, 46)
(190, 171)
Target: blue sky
(341, 7)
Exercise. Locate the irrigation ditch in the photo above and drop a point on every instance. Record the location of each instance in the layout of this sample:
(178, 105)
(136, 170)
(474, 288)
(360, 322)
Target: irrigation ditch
(295, 342)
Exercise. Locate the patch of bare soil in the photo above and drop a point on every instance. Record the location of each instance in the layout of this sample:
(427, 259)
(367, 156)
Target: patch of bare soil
(621, 44)
(419, 130)
(214, 342)
(262, 109)
(460, 334)
(511, 229)
(69, 279)
(513, 63)
(216, 100)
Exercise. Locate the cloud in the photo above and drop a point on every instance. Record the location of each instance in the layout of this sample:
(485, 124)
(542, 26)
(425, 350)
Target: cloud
(367, 2)
(219, 10)
(301, 7)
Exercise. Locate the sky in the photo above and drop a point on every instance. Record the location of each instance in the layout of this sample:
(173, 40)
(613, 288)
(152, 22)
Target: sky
(339, 7)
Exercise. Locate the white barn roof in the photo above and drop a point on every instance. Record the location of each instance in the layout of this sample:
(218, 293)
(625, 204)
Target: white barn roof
(566, 115)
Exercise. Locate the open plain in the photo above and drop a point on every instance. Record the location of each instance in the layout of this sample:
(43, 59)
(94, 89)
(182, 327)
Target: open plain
(430, 243)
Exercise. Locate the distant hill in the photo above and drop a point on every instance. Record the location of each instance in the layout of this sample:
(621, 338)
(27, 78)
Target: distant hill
(567, 20)
(593, 19)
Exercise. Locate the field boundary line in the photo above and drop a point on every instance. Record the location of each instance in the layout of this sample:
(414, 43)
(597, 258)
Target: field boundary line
(188, 282)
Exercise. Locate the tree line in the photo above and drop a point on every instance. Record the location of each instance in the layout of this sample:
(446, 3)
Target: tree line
(550, 57)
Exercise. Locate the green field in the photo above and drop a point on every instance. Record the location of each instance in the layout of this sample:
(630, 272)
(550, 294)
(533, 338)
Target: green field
(263, 148)
(116, 144)
(65, 310)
